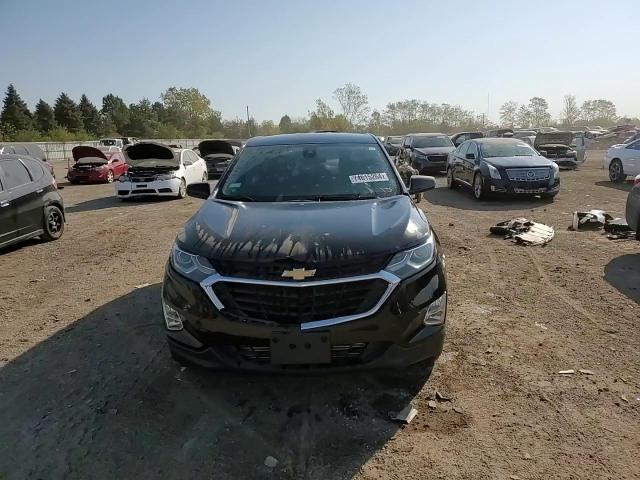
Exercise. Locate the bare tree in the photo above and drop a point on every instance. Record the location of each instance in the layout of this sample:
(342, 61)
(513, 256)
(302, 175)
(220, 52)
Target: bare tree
(354, 103)
(539, 110)
(570, 110)
(509, 113)
(524, 117)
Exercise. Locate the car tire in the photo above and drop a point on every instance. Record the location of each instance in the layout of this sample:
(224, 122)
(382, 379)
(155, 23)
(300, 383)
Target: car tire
(616, 172)
(478, 186)
(110, 176)
(451, 182)
(182, 189)
(53, 223)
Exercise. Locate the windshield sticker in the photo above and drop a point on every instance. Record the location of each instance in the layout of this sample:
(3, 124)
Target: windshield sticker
(369, 177)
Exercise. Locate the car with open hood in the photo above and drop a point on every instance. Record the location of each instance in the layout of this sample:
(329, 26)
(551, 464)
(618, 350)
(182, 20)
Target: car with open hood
(30, 203)
(96, 165)
(556, 146)
(623, 160)
(426, 152)
(502, 165)
(218, 155)
(158, 170)
(458, 138)
(308, 253)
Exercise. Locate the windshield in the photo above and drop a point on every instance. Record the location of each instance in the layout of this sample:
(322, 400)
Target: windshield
(506, 150)
(436, 141)
(310, 172)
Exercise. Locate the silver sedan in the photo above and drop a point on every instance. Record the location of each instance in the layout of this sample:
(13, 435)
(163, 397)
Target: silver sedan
(633, 207)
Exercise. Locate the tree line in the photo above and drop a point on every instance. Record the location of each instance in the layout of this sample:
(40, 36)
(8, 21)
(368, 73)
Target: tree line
(187, 113)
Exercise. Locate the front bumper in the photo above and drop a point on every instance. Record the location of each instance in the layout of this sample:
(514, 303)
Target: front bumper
(512, 187)
(422, 164)
(160, 188)
(394, 336)
(87, 176)
(567, 162)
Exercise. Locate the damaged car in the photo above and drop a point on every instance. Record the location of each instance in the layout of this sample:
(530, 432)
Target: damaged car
(158, 170)
(309, 254)
(556, 146)
(218, 155)
(502, 165)
(96, 165)
(426, 152)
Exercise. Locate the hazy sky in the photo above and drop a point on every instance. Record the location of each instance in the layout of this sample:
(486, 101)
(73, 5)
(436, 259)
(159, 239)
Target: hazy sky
(279, 56)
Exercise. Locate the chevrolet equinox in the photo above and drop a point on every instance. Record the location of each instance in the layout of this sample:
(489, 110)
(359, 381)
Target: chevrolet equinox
(308, 254)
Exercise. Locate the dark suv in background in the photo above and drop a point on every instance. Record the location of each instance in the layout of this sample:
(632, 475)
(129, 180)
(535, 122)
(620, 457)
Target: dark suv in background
(30, 204)
(310, 253)
(426, 152)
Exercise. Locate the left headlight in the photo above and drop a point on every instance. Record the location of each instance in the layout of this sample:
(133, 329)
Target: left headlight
(194, 267)
(166, 176)
(493, 171)
(409, 262)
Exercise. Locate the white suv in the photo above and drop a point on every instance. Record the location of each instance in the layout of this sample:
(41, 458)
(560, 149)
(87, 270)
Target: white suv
(155, 169)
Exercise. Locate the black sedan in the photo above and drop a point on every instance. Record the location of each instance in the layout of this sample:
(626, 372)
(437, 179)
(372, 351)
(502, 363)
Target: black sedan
(30, 204)
(502, 165)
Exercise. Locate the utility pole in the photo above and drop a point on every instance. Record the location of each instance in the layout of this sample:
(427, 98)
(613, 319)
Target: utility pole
(248, 122)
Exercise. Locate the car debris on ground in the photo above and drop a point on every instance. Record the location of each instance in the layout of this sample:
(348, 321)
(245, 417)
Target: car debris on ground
(617, 228)
(406, 415)
(524, 231)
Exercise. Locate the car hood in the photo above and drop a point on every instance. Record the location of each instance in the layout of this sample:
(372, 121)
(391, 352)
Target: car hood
(209, 147)
(308, 232)
(519, 162)
(435, 150)
(555, 138)
(151, 155)
(83, 154)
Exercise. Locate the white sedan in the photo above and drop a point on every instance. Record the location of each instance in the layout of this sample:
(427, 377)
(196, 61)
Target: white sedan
(623, 160)
(158, 170)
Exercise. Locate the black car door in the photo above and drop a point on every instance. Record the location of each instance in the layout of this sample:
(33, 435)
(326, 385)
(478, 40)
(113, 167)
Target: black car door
(25, 196)
(469, 164)
(458, 161)
(7, 214)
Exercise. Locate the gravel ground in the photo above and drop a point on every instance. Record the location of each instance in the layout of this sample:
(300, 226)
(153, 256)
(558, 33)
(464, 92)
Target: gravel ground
(88, 390)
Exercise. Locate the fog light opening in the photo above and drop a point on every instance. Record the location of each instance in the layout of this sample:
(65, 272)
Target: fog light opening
(172, 318)
(436, 312)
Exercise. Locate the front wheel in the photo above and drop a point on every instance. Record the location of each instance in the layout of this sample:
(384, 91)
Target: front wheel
(451, 181)
(182, 189)
(110, 176)
(53, 223)
(478, 186)
(616, 173)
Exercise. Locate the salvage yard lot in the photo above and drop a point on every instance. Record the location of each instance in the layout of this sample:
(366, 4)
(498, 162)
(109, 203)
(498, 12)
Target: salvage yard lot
(88, 390)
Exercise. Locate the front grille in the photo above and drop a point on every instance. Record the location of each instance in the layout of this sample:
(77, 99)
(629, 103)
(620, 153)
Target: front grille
(260, 352)
(141, 191)
(272, 270)
(296, 305)
(142, 179)
(437, 158)
(528, 174)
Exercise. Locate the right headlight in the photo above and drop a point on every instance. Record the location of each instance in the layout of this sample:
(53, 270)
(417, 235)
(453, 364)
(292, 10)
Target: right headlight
(409, 262)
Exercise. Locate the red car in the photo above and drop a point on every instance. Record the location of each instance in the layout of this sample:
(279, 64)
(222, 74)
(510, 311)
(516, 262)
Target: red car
(95, 165)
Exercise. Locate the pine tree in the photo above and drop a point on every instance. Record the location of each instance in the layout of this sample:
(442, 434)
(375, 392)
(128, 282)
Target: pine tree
(43, 117)
(67, 113)
(90, 115)
(15, 112)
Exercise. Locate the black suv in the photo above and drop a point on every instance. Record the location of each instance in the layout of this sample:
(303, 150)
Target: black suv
(426, 152)
(309, 253)
(30, 204)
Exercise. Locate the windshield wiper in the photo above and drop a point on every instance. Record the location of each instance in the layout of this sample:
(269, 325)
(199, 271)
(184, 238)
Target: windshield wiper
(342, 197)
(239, 198)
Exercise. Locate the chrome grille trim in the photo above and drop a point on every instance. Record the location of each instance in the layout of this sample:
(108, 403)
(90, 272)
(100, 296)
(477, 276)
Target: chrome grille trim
(392, 281)
(529, 174)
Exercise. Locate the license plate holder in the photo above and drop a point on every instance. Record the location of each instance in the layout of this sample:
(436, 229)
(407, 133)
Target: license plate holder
(141, 186)
(293, 348)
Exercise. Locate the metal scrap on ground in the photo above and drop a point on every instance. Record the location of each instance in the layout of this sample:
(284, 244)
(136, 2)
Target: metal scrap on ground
(617, 228)
(524, 231)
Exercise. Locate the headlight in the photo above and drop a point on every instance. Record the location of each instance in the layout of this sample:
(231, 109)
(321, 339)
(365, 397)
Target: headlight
(166, 176)
(421, 155)
(404, 264)
(493, 171)
(194, 267)
(556, 170)
(124, 178)
(437, 311)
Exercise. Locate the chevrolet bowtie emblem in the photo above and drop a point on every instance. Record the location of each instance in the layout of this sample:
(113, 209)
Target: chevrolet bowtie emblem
(298, 273)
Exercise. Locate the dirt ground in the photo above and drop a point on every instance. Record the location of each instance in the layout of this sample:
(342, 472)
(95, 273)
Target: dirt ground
(88, 390)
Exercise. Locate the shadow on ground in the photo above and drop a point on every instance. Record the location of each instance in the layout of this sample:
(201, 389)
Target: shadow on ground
(625, 186)
(113, 202)
(103, 399)
(623, 273)
(462, 198)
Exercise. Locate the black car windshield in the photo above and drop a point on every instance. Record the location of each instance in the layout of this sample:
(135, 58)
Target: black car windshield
(310, 172)
(505, 149)
(435, 141)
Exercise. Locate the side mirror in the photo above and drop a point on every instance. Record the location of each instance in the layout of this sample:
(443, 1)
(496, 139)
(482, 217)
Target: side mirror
(421, 183)
(470, 156)
(199, 190)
